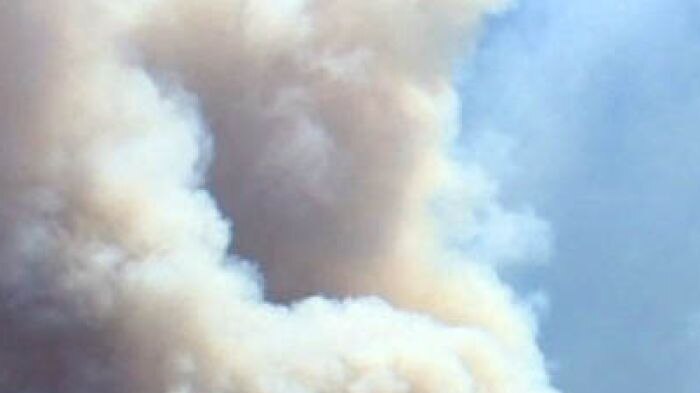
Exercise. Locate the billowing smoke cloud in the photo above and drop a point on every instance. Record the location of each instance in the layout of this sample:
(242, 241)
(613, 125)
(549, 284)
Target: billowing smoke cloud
(318, 125)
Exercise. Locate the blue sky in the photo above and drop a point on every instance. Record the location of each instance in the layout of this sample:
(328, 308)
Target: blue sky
(596, 105)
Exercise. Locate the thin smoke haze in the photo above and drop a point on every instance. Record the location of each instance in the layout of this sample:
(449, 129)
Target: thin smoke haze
(135, 136)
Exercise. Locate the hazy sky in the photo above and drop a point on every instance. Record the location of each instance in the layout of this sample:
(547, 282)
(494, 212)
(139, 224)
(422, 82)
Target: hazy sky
(588, 111)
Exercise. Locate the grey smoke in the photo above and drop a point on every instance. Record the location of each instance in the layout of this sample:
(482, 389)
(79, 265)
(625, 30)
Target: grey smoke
(320, 127)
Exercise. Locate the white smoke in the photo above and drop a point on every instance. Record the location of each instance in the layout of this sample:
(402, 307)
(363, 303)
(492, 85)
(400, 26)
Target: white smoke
(327, 120)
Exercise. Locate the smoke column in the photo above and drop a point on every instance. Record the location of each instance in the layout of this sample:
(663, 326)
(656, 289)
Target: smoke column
(318, 128)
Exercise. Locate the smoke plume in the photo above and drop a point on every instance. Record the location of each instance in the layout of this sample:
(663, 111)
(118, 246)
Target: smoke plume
(132, 131)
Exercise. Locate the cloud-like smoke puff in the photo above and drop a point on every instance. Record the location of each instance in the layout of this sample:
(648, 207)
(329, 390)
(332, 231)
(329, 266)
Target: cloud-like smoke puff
(328, 122)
